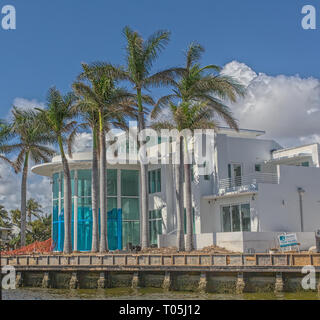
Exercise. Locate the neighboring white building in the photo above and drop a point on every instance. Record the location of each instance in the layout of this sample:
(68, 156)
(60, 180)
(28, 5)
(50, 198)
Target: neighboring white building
(257, 190)
(4, 236)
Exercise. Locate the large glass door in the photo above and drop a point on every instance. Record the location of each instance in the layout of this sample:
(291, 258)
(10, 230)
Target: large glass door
(235, 218)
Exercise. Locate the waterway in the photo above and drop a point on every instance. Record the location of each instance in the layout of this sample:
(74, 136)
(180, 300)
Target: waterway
(142, 294)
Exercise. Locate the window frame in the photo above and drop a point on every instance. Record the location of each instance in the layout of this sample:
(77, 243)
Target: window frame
(230, 214)
(157, 183)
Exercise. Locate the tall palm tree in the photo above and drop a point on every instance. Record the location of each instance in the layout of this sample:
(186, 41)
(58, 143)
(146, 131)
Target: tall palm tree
(91, 120)
(4, 218)
(58, 118)
(5, 135)
(101, 96)
(204, 88)
(32, 144)
(33, 209)
(140, 56)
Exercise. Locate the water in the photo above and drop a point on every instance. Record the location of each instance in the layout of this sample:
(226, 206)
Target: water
(142, 294)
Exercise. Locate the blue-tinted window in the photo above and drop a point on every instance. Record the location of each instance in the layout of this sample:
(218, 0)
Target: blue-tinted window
(154, 181)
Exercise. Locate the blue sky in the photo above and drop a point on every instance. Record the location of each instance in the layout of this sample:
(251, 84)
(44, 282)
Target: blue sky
(260, 43)
(53, 37)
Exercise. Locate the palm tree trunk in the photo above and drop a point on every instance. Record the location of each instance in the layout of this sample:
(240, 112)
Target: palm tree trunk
(67, 246)
(24, 200)
(188, 194)
(144, 183)
(179, 196)
(95, 224)
(103, 185)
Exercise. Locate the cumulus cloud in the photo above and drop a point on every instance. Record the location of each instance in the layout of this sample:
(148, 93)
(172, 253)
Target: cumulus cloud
(286, 107)
(83, 142)
(26, 104)
(38, 188)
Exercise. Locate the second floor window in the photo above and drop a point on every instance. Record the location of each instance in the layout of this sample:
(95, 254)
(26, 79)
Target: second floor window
(154, 179)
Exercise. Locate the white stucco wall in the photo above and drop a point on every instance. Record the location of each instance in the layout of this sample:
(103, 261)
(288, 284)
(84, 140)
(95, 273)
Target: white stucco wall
(278, 205)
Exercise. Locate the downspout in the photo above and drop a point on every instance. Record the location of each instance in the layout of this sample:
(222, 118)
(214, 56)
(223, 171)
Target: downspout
(301, 192)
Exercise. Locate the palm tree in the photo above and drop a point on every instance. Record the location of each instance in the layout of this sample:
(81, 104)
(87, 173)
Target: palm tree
(33, 209)
(5, 136)
(32, 144)
(141, 54)
(100, 97)
(91, 117)
(199, 90)
(58, 118)
(4, 218)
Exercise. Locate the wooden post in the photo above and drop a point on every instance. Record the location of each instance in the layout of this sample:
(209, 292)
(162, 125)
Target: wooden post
(46, 280)
(279, 285)
(203, 283)
(19, 280)
(240, 286)
(73, 284)
(102, 281)
(135, 280)
(166, 285)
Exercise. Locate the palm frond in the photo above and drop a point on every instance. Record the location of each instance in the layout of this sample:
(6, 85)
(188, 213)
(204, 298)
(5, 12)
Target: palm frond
(193, 54)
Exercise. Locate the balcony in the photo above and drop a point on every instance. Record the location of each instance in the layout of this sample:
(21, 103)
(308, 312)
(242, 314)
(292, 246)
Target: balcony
(247, 183)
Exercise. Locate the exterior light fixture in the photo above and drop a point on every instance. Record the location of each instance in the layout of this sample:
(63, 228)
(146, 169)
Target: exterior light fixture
(301, 193)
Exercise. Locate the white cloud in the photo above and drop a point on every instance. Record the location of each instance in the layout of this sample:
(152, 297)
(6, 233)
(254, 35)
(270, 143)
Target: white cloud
(38, 188)
(286, 107)
(83, 142)
(26, 104)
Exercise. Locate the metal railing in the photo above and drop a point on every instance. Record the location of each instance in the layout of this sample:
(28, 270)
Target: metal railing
(246, 183)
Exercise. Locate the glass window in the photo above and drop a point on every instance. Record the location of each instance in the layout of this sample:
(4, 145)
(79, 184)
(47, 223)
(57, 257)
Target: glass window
(159, 180)
(245, 217)
(72, 182)
(154, 179)
(236, 218)
(305, 164)
(130, 183)
(131, 232)
(257, 167)
(236, 225)
(84, 183)
(62, 184)
(55, 210)
(226, 220)
(130, 208)
(112, 182)
(155, 225)
(111, 204)
(55, 186)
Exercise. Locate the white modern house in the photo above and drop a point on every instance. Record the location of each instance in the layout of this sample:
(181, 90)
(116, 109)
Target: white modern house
(256, 191)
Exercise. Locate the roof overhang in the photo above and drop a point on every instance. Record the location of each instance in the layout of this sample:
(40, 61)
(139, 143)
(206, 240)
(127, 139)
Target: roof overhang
(229, 195)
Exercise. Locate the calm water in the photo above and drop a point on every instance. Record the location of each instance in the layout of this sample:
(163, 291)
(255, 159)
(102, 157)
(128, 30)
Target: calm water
(142, 294)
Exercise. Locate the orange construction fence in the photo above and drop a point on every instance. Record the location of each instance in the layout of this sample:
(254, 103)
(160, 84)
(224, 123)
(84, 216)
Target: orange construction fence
(36, 247)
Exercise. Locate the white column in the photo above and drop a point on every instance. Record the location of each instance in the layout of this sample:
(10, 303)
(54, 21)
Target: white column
(75, 212)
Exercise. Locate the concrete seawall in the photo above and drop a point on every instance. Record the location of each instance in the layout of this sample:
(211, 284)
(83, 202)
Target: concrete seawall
(234, 273)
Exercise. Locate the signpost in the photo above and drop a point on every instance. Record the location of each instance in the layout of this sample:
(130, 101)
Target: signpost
(287, 241)
(318, 241)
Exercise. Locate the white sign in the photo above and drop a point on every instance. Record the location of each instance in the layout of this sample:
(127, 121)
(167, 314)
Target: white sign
(288, 240)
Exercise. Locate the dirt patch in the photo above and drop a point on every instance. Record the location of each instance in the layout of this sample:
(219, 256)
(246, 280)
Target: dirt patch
(173, 250)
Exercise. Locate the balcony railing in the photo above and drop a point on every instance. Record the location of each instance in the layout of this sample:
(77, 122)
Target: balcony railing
(246, 183)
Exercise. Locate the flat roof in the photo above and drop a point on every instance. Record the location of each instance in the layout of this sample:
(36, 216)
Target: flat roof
(249, 133)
